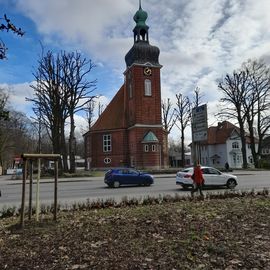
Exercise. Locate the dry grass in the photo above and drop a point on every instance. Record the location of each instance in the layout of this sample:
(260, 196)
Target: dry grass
(230, 233)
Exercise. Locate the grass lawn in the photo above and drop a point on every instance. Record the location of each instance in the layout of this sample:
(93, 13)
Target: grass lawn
(232, 233)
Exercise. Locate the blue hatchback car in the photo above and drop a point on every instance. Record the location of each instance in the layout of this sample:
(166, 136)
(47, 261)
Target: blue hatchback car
(127, 176)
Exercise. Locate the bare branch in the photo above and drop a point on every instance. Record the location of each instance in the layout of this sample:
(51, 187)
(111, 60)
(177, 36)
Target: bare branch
(168, 115)
(6, 26)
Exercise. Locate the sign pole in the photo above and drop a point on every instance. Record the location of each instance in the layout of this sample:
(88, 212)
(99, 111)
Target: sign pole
(199, 130)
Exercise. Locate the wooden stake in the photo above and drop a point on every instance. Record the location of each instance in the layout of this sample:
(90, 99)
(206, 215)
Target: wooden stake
(23, 191)
(30, 190)
(37, 192)
(55, 189)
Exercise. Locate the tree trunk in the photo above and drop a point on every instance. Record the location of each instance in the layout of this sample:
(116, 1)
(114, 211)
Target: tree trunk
(252, 144)
(243, 141)
(56, 143)
(72, 142)
(183, 147)
(63, 147)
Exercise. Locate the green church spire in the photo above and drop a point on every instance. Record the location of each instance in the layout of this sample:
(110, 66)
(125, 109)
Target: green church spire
(140, 17)
(142, 52)
(141, 28)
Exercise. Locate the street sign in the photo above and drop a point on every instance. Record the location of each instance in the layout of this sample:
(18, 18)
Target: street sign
(200, 136)
(199, 123)
(200, 126)
(199, 114)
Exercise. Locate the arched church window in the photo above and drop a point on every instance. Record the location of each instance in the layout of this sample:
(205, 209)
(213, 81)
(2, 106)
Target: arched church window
(147, 88)
(129, 84)
(130, 90)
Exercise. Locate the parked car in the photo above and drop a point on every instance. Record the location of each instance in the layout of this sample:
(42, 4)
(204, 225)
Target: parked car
(212, 177)
(127, 176)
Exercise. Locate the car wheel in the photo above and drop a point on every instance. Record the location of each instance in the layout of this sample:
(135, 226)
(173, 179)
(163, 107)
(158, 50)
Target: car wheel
(147, 184)
(116, 184)
(231, 184)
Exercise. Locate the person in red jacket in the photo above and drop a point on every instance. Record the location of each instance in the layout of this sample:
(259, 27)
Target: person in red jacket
(198, 180)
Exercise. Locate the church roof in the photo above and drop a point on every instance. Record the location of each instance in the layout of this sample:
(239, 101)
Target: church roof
(142, 53)
(150, 137)
(113, 116)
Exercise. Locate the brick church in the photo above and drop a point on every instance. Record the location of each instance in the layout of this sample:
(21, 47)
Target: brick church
(129, 132)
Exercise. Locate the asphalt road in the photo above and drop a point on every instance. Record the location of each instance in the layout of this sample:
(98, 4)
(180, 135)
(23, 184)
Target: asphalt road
(72, 190)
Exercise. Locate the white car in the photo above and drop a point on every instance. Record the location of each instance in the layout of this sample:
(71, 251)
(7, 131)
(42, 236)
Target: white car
(212, 177)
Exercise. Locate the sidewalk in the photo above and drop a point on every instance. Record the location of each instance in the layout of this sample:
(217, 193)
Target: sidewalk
(7, 179)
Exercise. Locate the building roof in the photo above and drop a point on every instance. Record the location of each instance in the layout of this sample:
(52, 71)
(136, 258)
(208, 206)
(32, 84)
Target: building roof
(113, 116)
(150, 137)
(220, 133)
(224, 130)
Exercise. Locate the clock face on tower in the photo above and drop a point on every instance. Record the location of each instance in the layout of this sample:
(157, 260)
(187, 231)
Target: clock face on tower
(147, 71)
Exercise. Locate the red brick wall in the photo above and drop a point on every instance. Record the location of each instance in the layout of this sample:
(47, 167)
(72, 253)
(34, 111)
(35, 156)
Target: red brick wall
(125, 146)
(143, 109)
(118, 153)
(144, 159)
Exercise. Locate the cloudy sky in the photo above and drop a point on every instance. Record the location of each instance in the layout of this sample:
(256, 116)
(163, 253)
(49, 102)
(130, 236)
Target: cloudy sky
(200, 41)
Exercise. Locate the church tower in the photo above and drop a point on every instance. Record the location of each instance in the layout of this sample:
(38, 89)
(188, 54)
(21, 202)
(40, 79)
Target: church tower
(129, 132)
(147, 138)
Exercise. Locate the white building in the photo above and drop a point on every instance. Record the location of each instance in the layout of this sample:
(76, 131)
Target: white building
(224, 145)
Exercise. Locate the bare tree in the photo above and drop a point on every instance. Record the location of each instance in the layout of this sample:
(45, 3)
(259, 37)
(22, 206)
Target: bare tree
(77, 92)
(100, 108)
(183, 116)
(168, 115)
(89, 112)
(197, 97)
(61, 91)
(49, 101)
(4, 113)
(7, 26)
(257, 104)
(18, 126)
(235, 89)
(15, 131)
(4, 135)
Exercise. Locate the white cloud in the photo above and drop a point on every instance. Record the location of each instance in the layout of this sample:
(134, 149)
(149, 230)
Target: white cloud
(97, 28)
(17, 96)
(200, 41)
